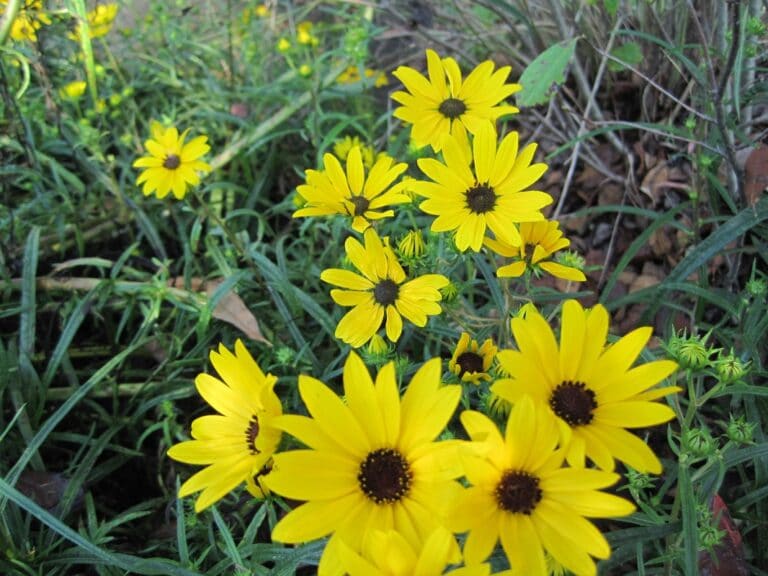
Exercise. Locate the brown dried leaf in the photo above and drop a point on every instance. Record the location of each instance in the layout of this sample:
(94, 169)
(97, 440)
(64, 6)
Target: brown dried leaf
(756, 174)
(230, 308)
(727, 558)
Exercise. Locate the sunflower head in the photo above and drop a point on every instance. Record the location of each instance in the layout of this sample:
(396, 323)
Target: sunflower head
(520, 494)
(471, 362)
(371, 462)
(381, 293)
(446, 104)
(171, 164)
(237, 443)
(591, 390)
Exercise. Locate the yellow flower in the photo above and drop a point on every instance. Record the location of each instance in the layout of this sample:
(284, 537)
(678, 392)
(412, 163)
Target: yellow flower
(350, 75)
(411, 245)
(443, 104)
(237, 444)
(371, 461)
(470, 361)
(99, 21)
(388, 553)
(334, 191)
(305, 70)
(521, 495)
(28, 21)
(73, 90)
(589, 389)
(304, 34)
(170, 164)
(262, 11)
(380, 293)
(490, 194)
(343, 147)
(540, 240)
(283, 45)
(378, 347)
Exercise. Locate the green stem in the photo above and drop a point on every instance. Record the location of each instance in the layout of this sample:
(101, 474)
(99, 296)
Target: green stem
(9, 15)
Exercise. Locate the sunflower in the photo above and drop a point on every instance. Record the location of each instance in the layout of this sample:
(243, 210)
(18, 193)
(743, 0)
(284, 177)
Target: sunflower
(590, 390)
(445, 104)
(332, 191)
(28, 21)
(388, 553)
(471, 361)
(237, 444)
(381, 292)
(490, 194)
(520, 494)
(540, 240)
(371, 462)
(171, 164)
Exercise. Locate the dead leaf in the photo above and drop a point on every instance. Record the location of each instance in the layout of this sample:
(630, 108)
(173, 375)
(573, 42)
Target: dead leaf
(727, 558)
(230, 308)
(46, 489)
(756, 175)
(661, 177)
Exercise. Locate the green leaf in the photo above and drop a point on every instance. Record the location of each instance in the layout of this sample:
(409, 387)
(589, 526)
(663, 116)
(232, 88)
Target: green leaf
(631, 53)
(546, 71)
(612, 7)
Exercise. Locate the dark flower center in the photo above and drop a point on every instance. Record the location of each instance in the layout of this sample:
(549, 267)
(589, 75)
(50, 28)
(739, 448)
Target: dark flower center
(385, 476)
(518, 492)
(251, 433)
(385, 292)
(573, 402)
(171, 162)
(469, 362)
(481, 198)
(452, 108)
(360, 203)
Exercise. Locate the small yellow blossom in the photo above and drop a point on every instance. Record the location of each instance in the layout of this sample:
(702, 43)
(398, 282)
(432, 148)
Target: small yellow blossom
(305, 70)
(470, 361)
(283, 45)
(73, 90)
(28, 21)
(304, 34)
(100, 21)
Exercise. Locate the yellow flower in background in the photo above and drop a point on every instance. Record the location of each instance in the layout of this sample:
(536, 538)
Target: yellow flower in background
(351, 75)
(444, 103)
(382, 293)
(343, 147)
(73, 90)
(591, 391)
(540, 240)
(171, 164)
(388, 553)
(100, 21)
(305, 70)
(283, 45)
(521, 495)
(470, 195)
(28, 21)
(371, 462)
(304, 34)
(235, 445)
(260, 11)
(350, 193)
(470, 361)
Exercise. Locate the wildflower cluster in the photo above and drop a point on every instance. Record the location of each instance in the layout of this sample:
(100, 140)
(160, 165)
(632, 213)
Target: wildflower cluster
(380, 472)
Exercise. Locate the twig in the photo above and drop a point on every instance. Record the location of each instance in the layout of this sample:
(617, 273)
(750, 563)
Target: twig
(719, 88)
(591, 102)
